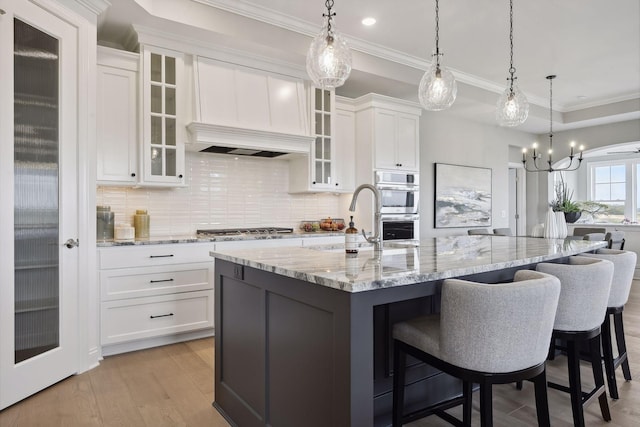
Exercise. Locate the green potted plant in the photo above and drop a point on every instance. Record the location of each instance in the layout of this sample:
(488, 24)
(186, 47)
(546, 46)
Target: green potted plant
(563, 203)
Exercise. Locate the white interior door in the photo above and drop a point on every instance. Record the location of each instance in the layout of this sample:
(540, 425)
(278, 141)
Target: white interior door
(38, 199)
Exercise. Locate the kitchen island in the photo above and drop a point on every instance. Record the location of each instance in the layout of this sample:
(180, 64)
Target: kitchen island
(303, 334)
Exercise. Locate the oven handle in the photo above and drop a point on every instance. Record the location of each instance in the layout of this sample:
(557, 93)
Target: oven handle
(400, 187)
(400, 217)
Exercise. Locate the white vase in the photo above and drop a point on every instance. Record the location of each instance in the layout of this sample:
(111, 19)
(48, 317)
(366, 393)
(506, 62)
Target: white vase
(550, 225)
(561, 225)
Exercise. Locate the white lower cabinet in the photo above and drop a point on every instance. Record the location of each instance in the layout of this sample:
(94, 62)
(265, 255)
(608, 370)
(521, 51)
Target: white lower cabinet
(155, 294)
(138, 318)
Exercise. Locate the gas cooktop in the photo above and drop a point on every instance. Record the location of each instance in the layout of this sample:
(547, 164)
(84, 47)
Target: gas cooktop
(246, 230)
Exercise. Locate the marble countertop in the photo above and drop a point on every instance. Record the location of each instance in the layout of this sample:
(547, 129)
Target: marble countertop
(433, 259)
(163, 240)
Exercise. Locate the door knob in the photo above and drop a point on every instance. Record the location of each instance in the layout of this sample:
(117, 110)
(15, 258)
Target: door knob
(71, 243)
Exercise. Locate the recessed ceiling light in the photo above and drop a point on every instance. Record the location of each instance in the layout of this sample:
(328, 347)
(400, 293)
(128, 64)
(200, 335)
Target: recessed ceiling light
(369, 21)
(581, 97)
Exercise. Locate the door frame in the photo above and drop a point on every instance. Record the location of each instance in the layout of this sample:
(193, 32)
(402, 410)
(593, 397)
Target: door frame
(521, 198)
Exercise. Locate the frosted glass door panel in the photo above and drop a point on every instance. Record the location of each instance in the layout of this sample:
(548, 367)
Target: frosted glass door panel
(36, 227)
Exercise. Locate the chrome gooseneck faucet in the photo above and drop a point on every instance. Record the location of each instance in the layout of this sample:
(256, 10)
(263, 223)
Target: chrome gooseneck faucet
(376, 239)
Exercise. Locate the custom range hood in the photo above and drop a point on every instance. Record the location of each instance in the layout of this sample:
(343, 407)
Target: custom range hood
(220, 139)
(244, 111)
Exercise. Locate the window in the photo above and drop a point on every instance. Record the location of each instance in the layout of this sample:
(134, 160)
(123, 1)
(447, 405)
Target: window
(615, 184)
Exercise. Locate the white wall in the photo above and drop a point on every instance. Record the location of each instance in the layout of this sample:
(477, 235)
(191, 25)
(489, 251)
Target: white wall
(446, 138)
(222, 191)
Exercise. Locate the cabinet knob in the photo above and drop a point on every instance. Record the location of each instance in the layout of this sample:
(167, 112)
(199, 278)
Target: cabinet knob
(133, 174)
(336, 184)
(314, 183)
(180, 176)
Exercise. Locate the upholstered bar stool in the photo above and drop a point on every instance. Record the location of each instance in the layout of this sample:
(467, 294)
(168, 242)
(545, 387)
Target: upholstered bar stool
(615, 239)
(502, 232)
(624, 265)
(479, 231)
(581, 231)
(594, 236)
(585, 285)
(486, 334)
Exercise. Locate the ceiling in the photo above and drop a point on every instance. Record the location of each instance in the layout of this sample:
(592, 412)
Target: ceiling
(591, 45)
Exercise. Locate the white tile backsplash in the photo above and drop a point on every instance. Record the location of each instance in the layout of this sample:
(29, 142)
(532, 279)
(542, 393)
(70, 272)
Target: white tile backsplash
(223, 191)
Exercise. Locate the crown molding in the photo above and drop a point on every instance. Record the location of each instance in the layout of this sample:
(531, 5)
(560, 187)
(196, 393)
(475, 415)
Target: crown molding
(189, 45)
(601, 102)
(266, 15)
(94, 6)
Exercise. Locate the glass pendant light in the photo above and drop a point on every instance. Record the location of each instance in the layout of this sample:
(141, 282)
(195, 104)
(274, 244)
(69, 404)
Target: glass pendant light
(512, 108)
(329, 57)
(438, 88)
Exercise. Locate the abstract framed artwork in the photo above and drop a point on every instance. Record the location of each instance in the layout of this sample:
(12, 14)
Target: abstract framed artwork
(462, 196)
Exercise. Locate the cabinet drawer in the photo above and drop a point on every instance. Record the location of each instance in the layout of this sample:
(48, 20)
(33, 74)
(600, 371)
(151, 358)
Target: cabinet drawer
(150, 255)
(142, 282)
(139, 318)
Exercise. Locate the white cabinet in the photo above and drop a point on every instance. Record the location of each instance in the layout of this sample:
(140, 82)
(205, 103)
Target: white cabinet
(388, 133)
(163, 106)
(117, 117)
(140, 142)
(330, 166)
(155, 294)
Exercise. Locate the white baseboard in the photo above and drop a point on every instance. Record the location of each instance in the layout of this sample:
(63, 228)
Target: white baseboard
(110, 350)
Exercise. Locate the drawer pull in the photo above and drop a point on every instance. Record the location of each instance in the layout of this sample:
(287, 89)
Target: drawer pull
(160, 256)
(159, 281)
(161, 315)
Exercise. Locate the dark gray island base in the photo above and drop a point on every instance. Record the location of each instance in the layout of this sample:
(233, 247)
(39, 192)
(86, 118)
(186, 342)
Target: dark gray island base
(303, 334)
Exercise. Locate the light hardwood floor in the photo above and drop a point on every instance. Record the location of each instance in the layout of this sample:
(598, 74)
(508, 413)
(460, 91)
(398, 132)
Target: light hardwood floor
(173, 386)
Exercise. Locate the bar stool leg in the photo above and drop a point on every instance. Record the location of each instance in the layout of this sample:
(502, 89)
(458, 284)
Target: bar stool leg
(607, 351)
(486, 405)
(399, 365)
(598, 377)
(575, 389)
(467, 394)
(542, 401)
(622, 346)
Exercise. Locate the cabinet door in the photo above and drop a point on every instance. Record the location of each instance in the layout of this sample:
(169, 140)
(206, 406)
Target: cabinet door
(407, 148)
(385, 136)
(163, 126)
(344, 143)
(38, 199)
(323, 173)
(117, 114)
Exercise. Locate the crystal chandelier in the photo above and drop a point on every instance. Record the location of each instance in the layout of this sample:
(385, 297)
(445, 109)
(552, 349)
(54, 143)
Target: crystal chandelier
(512, 108)
(537, 155)
(329, 57)
(438, 87)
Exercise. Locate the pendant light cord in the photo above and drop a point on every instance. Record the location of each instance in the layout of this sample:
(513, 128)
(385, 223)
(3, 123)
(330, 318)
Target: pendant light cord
(551, 112)
(437, 36)
(512, 69)
(329, 15)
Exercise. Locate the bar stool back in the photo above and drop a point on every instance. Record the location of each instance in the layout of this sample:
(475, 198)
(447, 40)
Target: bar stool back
(585, 285)
(624, 265)
(615, 239)
(486, 334)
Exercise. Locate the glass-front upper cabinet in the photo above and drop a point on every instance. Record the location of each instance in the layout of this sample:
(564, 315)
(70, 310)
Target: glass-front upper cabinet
(323, 166)
(163, 127)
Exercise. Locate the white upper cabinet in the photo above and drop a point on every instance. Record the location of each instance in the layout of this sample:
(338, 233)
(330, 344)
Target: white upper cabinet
(117, 117)
(163, 131)
(330, 166)
(241, 97)
(387, 134)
